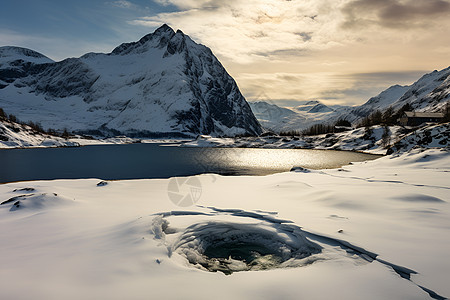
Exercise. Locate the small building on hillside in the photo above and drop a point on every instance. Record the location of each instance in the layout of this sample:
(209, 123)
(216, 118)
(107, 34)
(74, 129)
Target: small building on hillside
(412, 118)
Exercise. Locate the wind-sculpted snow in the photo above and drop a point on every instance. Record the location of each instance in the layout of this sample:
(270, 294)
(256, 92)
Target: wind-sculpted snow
(163, 85)
(234, 240)
(232, 247)
(35, 201)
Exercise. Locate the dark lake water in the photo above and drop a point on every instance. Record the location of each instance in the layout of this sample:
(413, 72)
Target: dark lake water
(135, 161)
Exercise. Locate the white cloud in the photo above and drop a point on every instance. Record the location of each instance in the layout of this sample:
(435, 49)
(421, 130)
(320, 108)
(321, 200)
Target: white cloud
(297, 49)
(395, 13)
(328, 87)
(123, 4)
(254, 29)
(318, 41)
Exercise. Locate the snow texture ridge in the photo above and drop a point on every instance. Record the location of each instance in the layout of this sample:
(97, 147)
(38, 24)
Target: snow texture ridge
(256, 241)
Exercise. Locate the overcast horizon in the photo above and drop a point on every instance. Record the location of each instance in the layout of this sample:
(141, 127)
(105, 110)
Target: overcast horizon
(338, 52)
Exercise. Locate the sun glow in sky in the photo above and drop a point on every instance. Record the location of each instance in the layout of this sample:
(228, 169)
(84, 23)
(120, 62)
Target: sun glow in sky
(284, 51)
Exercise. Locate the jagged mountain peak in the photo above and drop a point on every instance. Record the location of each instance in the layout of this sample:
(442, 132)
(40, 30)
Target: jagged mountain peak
(164, 28)
(159, 38)
(161, 85)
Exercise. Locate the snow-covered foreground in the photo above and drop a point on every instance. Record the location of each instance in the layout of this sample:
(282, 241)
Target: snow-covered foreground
(373, 230)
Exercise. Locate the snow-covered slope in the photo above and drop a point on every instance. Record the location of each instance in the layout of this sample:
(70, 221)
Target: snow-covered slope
(14, 135)
(274, 117)
(16, 62)
(164, 84)
(8, 55)
(429, 94)
(379, 102)
(435, 136)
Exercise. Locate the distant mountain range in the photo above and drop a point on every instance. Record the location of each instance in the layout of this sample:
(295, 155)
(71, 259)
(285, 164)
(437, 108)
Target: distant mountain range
(428, 94)
(163, 85)
(308, 113)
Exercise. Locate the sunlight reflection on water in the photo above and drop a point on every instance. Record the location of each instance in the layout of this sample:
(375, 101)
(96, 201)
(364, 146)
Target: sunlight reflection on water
(136, 161)
(268, 161)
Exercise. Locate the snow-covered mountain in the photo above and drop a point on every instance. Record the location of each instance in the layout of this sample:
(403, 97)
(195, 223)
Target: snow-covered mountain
(429, 94)
(274, 117)
(163, 85)
(313, 107)
(308, 113)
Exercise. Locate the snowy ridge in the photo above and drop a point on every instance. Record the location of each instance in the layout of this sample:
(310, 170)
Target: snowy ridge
(8, 55)
(163, 85)
(428, 94)
(379, 102)
(16, 62)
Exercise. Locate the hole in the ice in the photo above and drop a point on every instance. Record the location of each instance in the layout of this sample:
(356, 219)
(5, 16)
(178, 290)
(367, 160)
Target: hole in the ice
(231, 247)
(246, 252)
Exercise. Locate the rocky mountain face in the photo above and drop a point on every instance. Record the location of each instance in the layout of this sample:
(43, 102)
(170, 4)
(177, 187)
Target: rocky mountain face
(163, 85)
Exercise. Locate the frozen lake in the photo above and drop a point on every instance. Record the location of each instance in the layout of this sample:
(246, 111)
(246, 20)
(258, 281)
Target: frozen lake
(135, 161)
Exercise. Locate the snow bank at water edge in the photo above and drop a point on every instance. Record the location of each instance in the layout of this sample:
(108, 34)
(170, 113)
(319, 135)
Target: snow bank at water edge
(370, 140)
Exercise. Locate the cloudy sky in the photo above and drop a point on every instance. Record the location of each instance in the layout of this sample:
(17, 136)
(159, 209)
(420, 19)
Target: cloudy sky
(336, 51)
